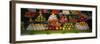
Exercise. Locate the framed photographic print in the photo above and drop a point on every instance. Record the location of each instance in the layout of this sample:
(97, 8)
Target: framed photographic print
(41, 21)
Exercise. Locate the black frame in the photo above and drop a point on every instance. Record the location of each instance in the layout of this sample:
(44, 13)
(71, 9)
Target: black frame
(13, 15)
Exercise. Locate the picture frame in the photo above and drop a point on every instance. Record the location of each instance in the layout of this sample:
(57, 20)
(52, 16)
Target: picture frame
(17, 8)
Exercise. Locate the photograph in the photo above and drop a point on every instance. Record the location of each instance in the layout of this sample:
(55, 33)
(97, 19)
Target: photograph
(51, 21)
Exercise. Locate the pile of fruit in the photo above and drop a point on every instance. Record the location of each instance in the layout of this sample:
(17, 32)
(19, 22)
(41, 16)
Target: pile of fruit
(82, 26)
(40, 18)
(53, 22)
(37, 27)
(68, 26)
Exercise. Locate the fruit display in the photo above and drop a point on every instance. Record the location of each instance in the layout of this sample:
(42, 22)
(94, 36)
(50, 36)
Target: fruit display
(40, 18)
(63, 19)
(37, 27)
(53, 22)
(68, 26)
(82, 26)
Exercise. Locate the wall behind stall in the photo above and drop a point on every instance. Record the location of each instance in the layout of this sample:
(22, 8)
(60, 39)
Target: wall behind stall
(4, 22)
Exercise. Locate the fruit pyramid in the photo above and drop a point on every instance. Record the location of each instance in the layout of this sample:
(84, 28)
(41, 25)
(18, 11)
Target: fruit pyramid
(40, 18)
(68, 26)
(53, 22)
